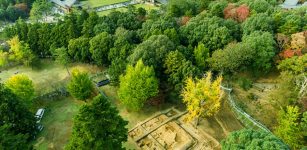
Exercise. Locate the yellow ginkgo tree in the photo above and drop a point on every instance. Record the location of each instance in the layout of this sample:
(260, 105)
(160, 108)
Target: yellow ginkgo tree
(202, 96)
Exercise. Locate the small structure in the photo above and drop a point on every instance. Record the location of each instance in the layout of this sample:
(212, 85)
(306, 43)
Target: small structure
(292, 4)
(64, 4)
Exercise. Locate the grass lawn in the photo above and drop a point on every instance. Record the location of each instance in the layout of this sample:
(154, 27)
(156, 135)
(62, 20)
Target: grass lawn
(57, 122)
(122, 9)
(49, 73)
(97, 3)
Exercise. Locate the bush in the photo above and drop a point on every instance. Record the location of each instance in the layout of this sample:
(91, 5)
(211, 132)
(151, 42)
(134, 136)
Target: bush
(245, 83)
(80, 86)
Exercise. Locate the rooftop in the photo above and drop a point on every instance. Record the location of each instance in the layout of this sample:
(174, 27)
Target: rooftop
(64, 3)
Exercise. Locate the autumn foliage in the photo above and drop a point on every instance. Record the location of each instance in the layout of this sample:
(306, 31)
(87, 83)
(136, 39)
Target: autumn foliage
(294, 46)
(236, 13)
(185, 20)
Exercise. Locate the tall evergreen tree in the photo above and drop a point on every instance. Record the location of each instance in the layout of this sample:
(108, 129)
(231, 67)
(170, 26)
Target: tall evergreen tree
(98, 126)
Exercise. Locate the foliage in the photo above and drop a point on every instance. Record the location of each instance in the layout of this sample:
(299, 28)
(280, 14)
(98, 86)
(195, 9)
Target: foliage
(295, 65)
(263, 44)
(80, 86)
(202, 96)
(252, 139)
(178, 69)
(123, 44)
(89, 24)
(213, 32)
(61, 56)
(14, 113)
(117, 67)
(20, 52)
(245, 83)
(201, 54)
(152, 51)
(100, 46)
(259, 22)
(288, 127)
(178, 8)
(9, 140)
(289, 23)
(98, 125)
(239, 13)
(40, 9)
(216, 7)
(22, 87)
(232, 58)
(137, 85)
(78, 49)
(3, 58)
(157, 27)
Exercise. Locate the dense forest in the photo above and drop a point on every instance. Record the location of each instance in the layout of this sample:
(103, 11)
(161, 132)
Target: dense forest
(160, 52)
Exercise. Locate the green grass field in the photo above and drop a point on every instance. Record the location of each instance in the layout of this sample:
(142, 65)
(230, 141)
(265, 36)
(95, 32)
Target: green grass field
(57, 122)
(48, 76)
(122, 9)
(97, 3)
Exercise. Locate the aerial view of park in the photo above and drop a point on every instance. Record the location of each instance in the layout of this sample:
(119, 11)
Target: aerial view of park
(153, 74)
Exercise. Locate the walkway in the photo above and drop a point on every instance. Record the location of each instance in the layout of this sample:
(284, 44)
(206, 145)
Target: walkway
(241, 115)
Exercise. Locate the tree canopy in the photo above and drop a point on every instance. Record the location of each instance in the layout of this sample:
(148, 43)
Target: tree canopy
(252, 139)
(137, 85)
(202, 96)
(98, 125)
(21, 86)
(80, 86)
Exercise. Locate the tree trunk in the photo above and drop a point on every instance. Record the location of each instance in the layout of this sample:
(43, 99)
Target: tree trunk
(67, 70)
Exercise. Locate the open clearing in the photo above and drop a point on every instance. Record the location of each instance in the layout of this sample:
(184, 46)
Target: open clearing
(58, 122)
(50, 77)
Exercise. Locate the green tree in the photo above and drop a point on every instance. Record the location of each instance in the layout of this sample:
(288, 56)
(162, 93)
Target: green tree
(20, 52)
(291, 24)
(14, 113)
(153, 52)
(178, 69)
(62, 57)
(4, 58)
(137, 85)
(78, 49)
(89, 24)
(98, 125)
(100, 46)
(9, 140)
(217, 7)
(202, 97)
(264, 45)
(215, 32)
(123, 44)
(260, 22)
(40, 9)
(117, 67)
(22, 86)
(80, 85)
(288, 128)
(295, 65)
(201, 54)
(232, 58)
(251, 139)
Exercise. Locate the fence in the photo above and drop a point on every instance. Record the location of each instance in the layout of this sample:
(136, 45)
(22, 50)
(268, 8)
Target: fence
(241, 115)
